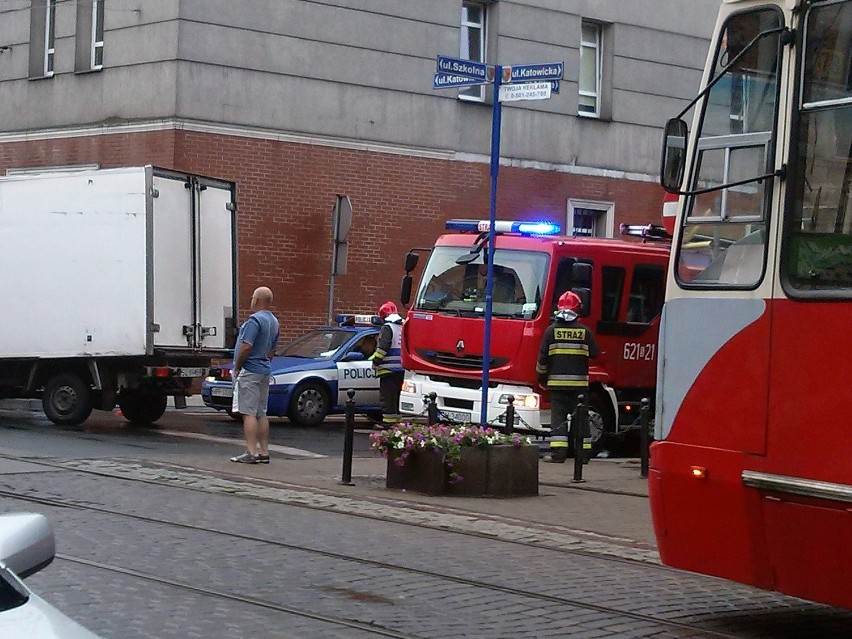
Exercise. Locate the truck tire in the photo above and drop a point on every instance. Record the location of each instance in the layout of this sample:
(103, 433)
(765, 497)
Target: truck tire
(67, 399)
(141, 409)
(309, 404)
(601, 423)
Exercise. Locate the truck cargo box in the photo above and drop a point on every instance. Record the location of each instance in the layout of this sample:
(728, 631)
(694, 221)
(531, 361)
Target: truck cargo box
(116, 262)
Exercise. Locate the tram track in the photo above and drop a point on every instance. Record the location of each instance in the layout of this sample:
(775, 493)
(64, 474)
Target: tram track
(496, 589)
(501, 528)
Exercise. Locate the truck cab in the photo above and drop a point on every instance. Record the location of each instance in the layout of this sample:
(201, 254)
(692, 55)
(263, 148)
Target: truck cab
(622, 286)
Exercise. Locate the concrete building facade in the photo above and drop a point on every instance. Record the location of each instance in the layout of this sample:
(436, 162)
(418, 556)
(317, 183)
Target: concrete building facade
(300, 100)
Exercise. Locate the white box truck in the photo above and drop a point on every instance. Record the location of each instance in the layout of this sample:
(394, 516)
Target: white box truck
(119, 287)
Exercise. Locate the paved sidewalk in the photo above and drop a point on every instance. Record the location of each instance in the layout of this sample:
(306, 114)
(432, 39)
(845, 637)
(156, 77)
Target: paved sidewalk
(611, 502)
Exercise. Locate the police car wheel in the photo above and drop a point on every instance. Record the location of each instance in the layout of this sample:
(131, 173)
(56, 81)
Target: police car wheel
(309, 405)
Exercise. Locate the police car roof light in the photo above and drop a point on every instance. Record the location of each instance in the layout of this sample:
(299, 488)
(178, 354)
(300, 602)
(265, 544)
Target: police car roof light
(503, 226)
(353, 319)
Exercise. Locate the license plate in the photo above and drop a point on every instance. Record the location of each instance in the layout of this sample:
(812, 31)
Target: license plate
(222, 392)
(456, 416)
(192, 372)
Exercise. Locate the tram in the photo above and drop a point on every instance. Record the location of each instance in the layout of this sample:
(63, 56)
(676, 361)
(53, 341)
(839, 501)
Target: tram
(751, 468)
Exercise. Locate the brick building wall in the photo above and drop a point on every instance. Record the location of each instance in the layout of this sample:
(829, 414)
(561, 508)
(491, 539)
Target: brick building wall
(286, 191)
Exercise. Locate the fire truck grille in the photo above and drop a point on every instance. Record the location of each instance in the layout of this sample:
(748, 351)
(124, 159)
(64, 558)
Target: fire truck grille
(461, 362)
(461, 382)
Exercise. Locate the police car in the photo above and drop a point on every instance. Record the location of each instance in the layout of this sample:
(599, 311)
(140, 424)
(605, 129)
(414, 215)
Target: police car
(312, 374)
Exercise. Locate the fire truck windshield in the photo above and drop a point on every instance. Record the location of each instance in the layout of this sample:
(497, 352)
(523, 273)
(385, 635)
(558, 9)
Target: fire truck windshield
(519, 278)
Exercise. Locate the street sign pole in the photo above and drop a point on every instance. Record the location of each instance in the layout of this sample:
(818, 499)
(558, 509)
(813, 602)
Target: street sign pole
(539, 80)
(496, 113)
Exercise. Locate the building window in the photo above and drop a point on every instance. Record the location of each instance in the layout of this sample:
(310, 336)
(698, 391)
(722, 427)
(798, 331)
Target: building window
(97, 61)
(472, 45)
(590, 219)
(591, 50)
(49, 36)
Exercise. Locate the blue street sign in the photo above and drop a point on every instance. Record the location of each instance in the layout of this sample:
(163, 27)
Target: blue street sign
(554, 86)
(537, 72)
(448, 81)
(466, 68)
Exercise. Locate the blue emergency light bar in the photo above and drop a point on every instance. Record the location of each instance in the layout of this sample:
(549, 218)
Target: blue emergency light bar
(504, 226)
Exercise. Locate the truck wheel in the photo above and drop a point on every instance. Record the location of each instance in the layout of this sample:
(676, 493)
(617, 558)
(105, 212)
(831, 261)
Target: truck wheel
(141, 408)
(600, 423)
(309, 405)
(66, 400)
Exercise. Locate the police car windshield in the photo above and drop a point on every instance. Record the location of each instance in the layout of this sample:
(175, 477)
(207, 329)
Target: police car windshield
(459, 289)
(318, 344)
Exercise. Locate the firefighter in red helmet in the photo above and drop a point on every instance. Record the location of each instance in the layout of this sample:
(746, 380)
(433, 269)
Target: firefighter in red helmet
(563, 368)
(387, 361)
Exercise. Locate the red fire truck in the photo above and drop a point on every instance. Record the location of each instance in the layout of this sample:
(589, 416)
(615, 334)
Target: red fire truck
(751, 472)
(621, 283)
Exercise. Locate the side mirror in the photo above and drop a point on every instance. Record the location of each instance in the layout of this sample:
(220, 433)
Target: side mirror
(585, 295)
(405, 289)
(411, 259)
(354, 356)
(674, 155)
(26, 542)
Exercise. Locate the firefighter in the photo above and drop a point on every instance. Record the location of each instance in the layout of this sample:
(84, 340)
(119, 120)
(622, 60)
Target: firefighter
(563, 368)
(387, 361)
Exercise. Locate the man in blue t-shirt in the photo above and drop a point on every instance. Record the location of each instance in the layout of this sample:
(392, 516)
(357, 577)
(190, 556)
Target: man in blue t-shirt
(255, 346)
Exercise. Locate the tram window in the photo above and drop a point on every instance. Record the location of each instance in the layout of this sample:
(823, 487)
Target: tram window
(724, 238)
(818, 243)
(646, 294)
(722, 254)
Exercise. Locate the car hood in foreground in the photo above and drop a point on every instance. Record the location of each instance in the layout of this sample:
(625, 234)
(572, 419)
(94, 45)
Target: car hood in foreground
(37, 619)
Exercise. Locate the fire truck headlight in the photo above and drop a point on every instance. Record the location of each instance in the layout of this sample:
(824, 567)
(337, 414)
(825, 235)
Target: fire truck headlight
(521, 401)
(409, 387)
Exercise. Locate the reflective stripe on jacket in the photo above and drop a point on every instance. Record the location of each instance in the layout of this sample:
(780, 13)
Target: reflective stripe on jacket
(388, 355)
(563, 358)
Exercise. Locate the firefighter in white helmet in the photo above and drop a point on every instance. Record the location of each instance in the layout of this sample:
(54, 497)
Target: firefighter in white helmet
(387, 361)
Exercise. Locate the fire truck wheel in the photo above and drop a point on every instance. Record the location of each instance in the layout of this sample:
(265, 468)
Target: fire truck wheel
(309, 404)
(140, 408)
(599, 424)
(66, 400)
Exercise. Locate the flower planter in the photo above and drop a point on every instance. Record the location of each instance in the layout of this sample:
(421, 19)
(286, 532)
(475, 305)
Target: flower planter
(501, 470)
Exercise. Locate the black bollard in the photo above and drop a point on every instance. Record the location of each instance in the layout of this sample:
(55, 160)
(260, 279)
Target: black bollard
(644, 437)
(432, 408)
(510, 415)
(579, 424)
(348, 440)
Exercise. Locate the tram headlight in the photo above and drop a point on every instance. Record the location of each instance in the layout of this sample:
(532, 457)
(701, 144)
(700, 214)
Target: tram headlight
(521, 401)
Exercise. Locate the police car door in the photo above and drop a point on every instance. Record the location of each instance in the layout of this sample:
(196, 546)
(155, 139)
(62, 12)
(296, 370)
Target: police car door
(359, 376)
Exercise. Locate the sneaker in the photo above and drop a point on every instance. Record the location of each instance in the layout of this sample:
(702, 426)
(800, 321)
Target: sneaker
(246, 458)
(263, 459)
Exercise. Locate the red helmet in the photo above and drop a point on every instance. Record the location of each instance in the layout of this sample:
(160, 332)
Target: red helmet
(388, 308)
(569, 301)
